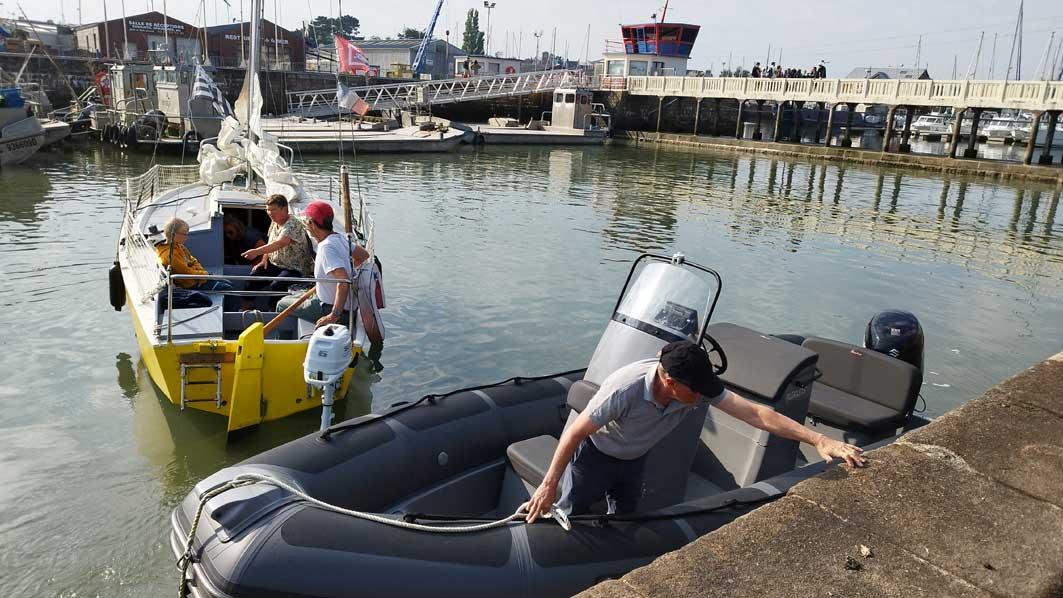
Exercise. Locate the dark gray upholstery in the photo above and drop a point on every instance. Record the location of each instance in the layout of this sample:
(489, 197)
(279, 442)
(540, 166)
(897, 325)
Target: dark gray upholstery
(580, 393)
(760, 366)
(531, 458)
(861, 387)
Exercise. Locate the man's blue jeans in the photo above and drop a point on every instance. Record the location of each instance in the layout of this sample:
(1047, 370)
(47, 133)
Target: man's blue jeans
(592, 475)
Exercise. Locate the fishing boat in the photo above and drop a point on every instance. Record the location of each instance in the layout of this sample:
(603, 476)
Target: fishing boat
(424, 498)
(206, 354)
(21, 134)
(574, 119)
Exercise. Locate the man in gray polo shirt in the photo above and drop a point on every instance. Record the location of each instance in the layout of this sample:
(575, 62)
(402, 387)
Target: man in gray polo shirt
(602, 454)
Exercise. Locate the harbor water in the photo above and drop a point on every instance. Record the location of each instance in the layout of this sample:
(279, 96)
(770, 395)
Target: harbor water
(497, 262)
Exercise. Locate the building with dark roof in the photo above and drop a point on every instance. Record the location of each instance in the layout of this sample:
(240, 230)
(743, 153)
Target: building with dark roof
(888, 73)
(135, 37)
(281, 49)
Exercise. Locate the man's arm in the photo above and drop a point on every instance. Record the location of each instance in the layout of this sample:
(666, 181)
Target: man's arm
(546, 493)
(340, 298)
(766, 419)
(266, 249)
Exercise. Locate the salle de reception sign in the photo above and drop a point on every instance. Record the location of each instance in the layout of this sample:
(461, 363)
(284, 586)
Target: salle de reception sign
(155, 27)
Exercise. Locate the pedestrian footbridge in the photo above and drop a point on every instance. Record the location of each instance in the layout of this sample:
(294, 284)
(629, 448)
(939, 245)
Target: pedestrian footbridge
(321, 103)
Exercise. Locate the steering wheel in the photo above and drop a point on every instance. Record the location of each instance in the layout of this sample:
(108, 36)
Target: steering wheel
(714, 347)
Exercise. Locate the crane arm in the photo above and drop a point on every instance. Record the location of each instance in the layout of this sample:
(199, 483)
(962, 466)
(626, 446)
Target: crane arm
(419, 60)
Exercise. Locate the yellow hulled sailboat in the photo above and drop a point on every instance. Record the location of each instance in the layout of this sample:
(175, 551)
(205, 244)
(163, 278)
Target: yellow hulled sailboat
(207, 354)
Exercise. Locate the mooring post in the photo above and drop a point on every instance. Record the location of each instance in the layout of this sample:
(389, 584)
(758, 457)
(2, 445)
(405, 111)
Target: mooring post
(757, 136)
(697, 114)
(795, 126)
(1032, 141)
(957, 122)
(847, 139)
(887, 135)
(830, 124)
(776, 135)
(972, 138)
(819, 120)
(741, 110)
(1050, 134)
(660, 108)
(906, 134)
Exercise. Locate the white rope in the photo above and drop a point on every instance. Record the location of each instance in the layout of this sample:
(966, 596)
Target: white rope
(247, 478)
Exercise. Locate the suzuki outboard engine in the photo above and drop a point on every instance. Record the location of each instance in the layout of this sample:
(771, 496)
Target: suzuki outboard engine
(897, 334)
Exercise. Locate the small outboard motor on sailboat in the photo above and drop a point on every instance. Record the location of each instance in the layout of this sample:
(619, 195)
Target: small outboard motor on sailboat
(328, 354)
(897, 334)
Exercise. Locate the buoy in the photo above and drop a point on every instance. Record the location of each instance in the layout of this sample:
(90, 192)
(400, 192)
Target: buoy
(131, 136)
(116, 286)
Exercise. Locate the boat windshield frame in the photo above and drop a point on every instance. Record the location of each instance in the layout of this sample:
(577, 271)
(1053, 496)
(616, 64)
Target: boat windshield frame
(676, 260)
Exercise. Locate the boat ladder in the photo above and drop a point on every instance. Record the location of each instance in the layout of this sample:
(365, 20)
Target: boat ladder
(185, 382)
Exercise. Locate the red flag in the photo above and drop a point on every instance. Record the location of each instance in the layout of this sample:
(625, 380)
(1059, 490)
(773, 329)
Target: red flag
(352, 59)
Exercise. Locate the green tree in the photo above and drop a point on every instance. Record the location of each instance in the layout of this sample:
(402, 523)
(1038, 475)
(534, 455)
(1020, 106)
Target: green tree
(322, 28)
(473, 40)
(410, 33)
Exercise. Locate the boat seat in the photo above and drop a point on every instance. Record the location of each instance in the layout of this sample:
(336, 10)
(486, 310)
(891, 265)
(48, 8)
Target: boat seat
(530, 458)
(667, 464)
(861, 388)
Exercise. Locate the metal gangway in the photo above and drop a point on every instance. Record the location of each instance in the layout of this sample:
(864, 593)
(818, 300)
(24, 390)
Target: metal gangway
(321, 103)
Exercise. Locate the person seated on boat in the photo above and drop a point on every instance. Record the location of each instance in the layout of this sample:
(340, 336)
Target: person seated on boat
(331, 302)
(286, 255)
(174, 255)
(239, 238)
(602, 454)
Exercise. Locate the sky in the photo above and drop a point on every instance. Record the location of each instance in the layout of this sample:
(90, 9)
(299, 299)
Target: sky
(844, 34)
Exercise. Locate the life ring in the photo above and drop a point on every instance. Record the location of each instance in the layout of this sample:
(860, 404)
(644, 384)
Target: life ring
(510, 70)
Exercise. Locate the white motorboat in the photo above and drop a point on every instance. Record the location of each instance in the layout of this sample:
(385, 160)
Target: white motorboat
(932, 124)
(21, 134)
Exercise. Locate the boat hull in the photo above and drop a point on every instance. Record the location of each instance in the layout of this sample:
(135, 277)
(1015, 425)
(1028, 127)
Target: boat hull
(452, 457)
(276, 389)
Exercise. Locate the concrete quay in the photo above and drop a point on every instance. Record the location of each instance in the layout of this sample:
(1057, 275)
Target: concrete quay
(970, 505)
(941, 164)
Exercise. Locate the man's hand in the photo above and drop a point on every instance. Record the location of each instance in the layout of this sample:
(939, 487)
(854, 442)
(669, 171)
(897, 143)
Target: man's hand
(327, 319)
(541, 501)
(829, 448)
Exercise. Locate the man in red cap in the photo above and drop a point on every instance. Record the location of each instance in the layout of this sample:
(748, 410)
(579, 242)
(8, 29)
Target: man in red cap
(601, 455)
(332, 302)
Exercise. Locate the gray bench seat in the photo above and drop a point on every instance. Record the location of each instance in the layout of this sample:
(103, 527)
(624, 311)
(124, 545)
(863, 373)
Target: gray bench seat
(861, 388)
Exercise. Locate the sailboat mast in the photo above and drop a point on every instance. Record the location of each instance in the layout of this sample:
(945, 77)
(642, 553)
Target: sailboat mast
(252, 78)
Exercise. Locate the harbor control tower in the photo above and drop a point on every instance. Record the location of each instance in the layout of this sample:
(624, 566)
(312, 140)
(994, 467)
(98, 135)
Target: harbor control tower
(652, 49)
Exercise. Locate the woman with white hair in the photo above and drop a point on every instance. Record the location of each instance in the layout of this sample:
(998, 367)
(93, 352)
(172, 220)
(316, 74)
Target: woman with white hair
(174, 255)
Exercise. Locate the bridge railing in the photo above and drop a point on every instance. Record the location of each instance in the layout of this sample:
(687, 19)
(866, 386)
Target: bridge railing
(322, 102)
(1026, 95)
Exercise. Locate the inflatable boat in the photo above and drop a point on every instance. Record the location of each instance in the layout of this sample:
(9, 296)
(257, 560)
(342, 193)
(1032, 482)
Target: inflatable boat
(419, 500)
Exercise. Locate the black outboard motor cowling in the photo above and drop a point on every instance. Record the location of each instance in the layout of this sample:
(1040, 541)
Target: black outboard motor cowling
(897, 334)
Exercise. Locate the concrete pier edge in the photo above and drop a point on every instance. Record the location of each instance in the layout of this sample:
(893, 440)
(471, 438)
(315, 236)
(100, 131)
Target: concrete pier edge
(941, 164)
(969, 505)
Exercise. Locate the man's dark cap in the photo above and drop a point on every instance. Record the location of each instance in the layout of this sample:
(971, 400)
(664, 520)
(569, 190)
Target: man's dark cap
(689, 363)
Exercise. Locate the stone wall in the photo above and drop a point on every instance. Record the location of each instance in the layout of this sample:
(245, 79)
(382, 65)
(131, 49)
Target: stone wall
(969, 505)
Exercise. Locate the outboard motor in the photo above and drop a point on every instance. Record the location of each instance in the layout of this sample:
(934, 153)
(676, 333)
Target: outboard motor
(328, 355)
(897, 334)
